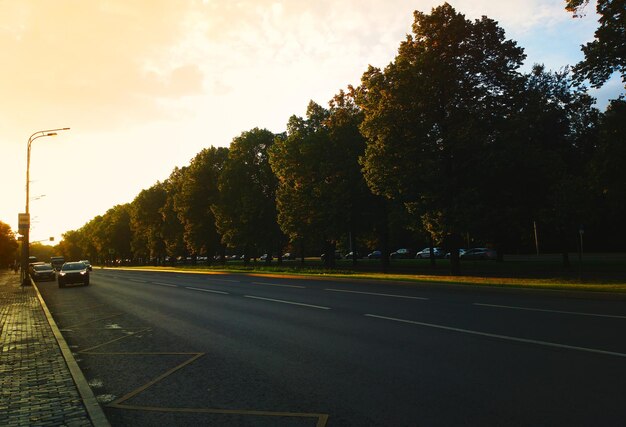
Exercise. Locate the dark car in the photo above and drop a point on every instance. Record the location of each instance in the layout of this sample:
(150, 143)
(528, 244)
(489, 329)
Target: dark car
(73, 272)
(461, 252)
(374, 255)
(289, 255)
(479, 253)
(425, 253)
(337, 256)
(42, 271)
(350, 255)
(402, 253)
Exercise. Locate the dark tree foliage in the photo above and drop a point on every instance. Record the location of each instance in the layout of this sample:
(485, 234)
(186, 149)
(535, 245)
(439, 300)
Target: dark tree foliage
(245, 212)
(433, 112)
(606, 54)
(8, 245)
(147, 223)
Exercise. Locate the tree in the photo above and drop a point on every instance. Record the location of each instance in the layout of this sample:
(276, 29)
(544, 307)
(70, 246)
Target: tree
(245, 212)
(146, 220)
(198, 191)
(8, 245)
(431, 115)
(607, 52)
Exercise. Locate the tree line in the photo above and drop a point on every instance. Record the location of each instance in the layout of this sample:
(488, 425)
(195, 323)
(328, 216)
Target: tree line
(450, 144)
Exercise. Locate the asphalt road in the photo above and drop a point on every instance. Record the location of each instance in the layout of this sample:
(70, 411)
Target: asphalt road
(191, 349)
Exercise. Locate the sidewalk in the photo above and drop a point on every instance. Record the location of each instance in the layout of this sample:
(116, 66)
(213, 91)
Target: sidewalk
(36, 385)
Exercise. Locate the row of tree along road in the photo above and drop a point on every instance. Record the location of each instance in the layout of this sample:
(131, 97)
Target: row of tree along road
(449, 145)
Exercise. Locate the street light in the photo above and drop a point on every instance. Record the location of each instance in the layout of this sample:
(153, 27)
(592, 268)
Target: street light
(25, 218)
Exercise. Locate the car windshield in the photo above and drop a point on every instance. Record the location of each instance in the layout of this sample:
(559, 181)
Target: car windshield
(42, 267)
(73, 266)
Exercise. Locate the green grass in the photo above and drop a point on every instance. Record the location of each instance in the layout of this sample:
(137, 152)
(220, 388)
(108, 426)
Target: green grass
(598, 272)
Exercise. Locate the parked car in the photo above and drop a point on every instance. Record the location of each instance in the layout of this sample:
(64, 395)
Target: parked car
(337, 256)
(87, 263)
(402, 253)
(42, 271)
(461, 252)
(350, 255)
(374, 255)
(73, 272)
(265, 257)
(289, 255)
(479, 253)
(425, 253)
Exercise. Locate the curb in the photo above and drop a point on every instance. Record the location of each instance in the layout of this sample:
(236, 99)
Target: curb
(94, 410)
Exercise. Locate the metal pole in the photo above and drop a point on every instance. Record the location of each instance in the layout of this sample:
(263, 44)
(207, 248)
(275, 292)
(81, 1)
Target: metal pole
(536, 239)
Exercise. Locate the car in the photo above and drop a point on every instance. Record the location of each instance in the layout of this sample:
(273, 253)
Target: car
(289, 255)
(73, 272)
(374, 255)
(265, 257)
(87, 263)
(461, 252)
(42, 271)
(479, 253)
(337, 256)
(402, 253)
(350, 255)
(425, 253)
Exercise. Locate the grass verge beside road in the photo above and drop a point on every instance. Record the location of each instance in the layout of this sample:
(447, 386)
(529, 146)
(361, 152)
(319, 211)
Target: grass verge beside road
(599, 273)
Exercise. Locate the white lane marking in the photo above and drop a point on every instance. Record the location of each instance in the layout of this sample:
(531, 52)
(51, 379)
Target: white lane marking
(224, 280)
(207, 290)
(288, 302)
(165, 284)
(276, 284)
(377, 294)
(137, 280)
(612, 316)
(502, 337)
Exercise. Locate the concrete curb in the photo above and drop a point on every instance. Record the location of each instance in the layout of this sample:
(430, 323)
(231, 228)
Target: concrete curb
(94, 410)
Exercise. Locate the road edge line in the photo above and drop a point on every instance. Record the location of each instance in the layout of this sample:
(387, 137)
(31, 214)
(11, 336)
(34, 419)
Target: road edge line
(94, 410)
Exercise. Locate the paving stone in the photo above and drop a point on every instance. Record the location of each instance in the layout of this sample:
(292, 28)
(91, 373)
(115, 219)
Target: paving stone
(36, 387)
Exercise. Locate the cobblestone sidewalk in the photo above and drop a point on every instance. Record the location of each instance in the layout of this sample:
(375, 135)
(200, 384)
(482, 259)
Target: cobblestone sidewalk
(36, 387)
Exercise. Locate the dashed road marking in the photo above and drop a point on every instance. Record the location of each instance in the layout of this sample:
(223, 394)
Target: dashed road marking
(502, 337)
(279, 285)
(377, 294)
(288, 302)
(611, 316)
(165, 284)
(207, 290)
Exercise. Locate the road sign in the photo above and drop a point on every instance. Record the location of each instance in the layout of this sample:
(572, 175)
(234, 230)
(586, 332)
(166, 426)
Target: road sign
(23, 222)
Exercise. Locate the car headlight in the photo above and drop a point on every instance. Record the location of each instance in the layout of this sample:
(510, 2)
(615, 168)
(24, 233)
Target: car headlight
(83, 272)
(61, 273)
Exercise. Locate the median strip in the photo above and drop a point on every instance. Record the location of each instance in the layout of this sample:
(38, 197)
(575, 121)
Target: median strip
(612, 316)
(288, 302)
(376, 294)
(502, 337)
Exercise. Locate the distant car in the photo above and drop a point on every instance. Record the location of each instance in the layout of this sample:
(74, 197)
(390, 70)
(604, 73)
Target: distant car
(425, 253)
(350, 255)
(73, 272)
(42, 271)
(337, 256)
(265, 257)
(479, 253)
(461, 252)
(402, 253)
(289, 255)
(87, 263)
(374, 255)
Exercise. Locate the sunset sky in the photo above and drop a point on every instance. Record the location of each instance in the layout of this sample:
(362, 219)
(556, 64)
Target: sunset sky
(146, 84)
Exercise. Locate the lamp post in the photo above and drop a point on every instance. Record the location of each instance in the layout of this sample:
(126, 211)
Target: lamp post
(25, 218)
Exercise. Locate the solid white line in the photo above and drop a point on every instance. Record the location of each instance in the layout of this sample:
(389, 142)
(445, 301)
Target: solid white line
(551, 311)
(165, 284)
(377, 294)
(276, 284)
(207, 290)
(503, 337)
(288, 302)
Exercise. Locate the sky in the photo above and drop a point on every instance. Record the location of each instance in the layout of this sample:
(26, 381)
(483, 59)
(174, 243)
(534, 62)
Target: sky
(145, 85)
